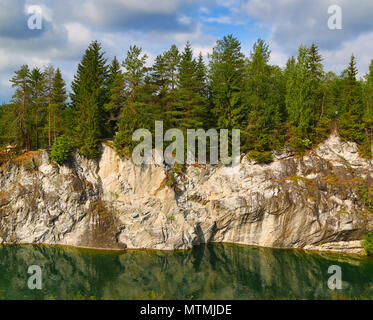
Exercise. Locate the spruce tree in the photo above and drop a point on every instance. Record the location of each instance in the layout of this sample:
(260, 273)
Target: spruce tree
(316, 76)
(226, 76)
(351, 120)
(135, 112)
(190, 105)
(117, 96)
(299, 101)
(114, 70)
(58, 106)
(159, 83)
(171, 60)
(88, 99)
(262, 97)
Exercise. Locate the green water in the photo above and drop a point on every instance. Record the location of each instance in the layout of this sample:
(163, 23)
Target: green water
(207, 272)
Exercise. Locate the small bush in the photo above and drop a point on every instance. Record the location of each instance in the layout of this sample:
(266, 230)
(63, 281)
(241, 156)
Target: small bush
(62, 150)
(307, 143)
(90, 147)
(171, 180)
(261, 157)
(29, 165)
(368, 243)
(123, 146)
(365, 196)
(299, 144)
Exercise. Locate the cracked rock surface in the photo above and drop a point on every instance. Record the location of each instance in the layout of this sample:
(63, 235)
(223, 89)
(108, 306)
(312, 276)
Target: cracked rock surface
(309, 202)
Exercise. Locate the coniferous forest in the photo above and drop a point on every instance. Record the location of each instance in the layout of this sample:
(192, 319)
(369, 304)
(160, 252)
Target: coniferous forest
(296, 106)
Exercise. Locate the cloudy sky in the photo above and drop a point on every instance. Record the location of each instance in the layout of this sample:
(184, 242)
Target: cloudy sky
(68, 26)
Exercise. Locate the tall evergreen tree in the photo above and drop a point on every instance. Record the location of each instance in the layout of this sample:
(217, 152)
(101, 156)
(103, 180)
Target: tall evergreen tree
(58, 106)
(226, 75)
(351, 120)
(262, 96)
(49, 74)
(88, 99)
(117, 96)
(114, 70)
(172, 61)
(37, 82)
(190, 108)
(299, 101)
(316, 77)
(135, 112)
(22, 106)
(159, 82)
(368, 108)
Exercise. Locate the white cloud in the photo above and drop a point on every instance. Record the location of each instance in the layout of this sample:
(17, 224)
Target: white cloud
(227, 19)
(296, 22)
(362, 48)
(77, 33)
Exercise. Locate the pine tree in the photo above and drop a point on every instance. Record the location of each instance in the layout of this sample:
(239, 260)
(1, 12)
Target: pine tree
(49, 74)
(37, 82)
(88, 99)
(22, 103)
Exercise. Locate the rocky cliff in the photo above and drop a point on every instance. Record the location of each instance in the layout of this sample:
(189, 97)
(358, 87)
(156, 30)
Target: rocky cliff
(312, 202)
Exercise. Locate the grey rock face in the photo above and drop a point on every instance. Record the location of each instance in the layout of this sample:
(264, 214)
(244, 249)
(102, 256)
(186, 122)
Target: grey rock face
(311, 202)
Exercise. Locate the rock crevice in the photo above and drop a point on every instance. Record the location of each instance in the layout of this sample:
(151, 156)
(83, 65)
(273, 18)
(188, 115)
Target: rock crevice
(311, 202)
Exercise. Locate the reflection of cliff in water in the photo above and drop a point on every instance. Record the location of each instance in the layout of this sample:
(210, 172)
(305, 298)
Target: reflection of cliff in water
(208, 272)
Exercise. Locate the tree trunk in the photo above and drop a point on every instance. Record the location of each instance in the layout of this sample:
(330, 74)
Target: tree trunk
(49, 126)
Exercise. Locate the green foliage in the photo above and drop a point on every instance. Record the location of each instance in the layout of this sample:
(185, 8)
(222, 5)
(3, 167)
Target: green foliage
(261, 157)
(117, 96)
(30, 165)
(264, 93)
(90, 94)
(368, 243)
(351, 121)
(135, 113)
(22, 100)
(171, 180)
(62, 149)
(365, 196)
(299, 144)
(298, 105)
(226, 73)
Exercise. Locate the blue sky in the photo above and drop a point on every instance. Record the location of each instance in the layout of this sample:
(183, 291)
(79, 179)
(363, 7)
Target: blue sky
(70, 25)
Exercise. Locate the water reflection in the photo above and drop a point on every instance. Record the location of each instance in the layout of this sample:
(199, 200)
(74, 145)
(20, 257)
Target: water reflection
(208, 272)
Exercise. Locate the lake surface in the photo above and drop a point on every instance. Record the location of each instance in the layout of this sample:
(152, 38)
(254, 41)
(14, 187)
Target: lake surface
(208, 272)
